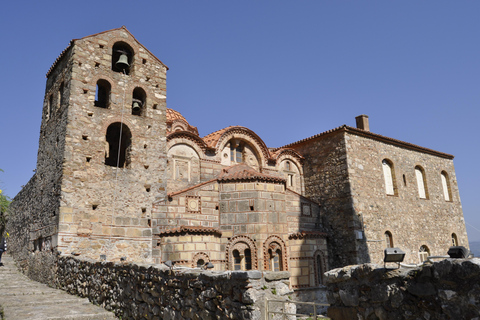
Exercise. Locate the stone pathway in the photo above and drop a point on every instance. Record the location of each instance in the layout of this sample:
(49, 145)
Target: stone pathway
(24, 299)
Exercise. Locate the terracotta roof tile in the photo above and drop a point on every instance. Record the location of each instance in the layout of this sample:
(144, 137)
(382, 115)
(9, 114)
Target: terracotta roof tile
(212, 138)
(172, 194)
(243, 172)
(174, 115)
(374, 136)
(190, 229)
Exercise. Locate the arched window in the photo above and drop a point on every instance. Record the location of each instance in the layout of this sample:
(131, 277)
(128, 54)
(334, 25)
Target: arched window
(275, 257)
(139, 102)
(241, 254)
(423, 253)
(389, 175)
(118, 145)
(454, 240)
(421, 182)
(236, 151)
(388, 239)
(102, 94)
(287, 165)
(274, 251)
(122, 57)
(248, 259)
(447, 191)
(237, 260)
(200, 263)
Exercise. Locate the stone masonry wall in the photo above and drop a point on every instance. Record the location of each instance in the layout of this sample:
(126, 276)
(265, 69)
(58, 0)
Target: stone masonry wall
(445, 290)
(105, 209)
(156, 292)
(412, 221)
(326, 182)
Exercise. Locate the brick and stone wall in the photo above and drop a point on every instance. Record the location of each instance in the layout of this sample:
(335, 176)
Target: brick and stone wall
(445, 290)
(156, 292)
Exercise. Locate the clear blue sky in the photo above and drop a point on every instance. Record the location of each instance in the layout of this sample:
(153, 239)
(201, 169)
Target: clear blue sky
(285, 69)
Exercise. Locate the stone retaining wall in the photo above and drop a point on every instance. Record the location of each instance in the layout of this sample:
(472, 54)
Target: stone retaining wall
(156, 292)
(449, 289)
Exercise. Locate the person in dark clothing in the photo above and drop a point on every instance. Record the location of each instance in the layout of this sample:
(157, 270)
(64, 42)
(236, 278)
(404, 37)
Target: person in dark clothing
(3, 248)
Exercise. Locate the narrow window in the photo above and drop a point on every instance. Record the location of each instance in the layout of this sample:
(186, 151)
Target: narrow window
(454, 240)
(388, 174)
(287, 166)
(138, 102)
(122, 57)
(319, 269)
(248, 259)
(423, 253)
(237, 260)
(421, 182)
(236, 152)
(388, 240)
(50, 106)
(60, 95)
(446, 187)
(102, 94)
(118, 145)
(290, 180)
(275, 259)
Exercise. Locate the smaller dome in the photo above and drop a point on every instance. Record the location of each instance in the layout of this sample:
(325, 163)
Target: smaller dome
(177, 122)
(174, 115)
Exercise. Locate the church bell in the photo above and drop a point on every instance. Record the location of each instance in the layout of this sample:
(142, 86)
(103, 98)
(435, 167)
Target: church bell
(136, 106)
(122, 62)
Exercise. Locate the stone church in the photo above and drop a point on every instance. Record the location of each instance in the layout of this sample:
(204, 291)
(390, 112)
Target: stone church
(121, 177)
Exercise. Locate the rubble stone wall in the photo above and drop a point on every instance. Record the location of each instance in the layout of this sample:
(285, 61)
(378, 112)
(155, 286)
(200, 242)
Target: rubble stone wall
(156, 292)
(431, 221)
(448, 289)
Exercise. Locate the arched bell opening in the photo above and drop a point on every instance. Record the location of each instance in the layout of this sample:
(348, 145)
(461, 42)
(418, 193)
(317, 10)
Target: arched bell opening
(118, 145)
(102, 94)
(139, 100)
(122, 57)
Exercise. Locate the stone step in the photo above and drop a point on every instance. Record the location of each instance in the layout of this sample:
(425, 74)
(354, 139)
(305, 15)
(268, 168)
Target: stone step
(25, 299)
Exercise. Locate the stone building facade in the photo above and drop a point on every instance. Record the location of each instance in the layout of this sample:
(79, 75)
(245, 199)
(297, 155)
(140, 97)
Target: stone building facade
(122, 177)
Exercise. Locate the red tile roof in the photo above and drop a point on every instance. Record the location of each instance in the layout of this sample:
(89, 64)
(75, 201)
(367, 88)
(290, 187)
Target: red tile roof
(174, 115)
(373, 136)
(190, 229)
(212, 138)
(172, 194)
(242, 172)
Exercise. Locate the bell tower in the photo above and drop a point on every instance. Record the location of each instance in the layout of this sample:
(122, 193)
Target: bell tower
(102, 153)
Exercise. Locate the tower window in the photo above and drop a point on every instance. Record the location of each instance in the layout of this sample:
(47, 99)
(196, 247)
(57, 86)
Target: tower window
(60, 95)
(50, 107)
(138, 102)
(122, 57)
(118, 145)
(102, 94)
